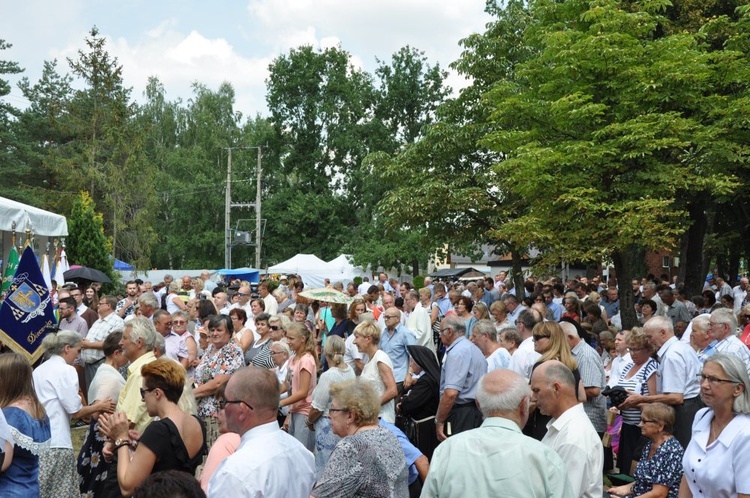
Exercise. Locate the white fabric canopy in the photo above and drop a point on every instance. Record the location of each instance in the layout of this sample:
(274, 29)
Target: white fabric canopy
(311, 268)
(40, 221)
(345, 269)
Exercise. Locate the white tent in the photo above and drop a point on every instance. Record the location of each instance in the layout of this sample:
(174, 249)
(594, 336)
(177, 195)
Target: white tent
(311, 268)
(40, 221)
(345, 270)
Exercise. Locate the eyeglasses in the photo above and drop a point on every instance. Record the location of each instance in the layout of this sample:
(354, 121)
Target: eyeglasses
(274, 327)
(337, 410)
(277, 352)
(242, 294)
(635, 350)
(716, 381)
(144, 391)
(178, 322)
(224, 402)
(444, 330)
(538, 337)
(646, 421)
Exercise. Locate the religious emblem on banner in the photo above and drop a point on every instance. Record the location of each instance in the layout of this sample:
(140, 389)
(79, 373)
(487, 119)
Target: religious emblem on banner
(27, 311)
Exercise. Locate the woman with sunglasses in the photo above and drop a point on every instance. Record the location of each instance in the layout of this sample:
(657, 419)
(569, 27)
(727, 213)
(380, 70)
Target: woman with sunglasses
(550, 342)
(638, 377)
(716, 459)
(176, 441)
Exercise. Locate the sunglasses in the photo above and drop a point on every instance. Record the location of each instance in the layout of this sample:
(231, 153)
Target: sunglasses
(538, 337)
(274, 327)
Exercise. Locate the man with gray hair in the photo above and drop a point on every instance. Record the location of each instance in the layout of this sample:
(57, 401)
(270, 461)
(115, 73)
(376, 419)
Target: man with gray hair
(148, 304)
(701, 339)
(484, 336)
(137, 343)
(92, 346)
(497, 459)
(723, 326)
(463, 366)
(569, 433)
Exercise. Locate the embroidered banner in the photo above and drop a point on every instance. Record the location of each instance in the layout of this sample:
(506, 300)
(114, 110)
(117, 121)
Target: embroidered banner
(27, 309)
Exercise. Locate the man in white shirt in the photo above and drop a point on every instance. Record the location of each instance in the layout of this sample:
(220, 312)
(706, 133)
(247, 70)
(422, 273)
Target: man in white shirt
(739, 293)
(243, 300)
(619, 361)
(272, 305)
(569, 433)
(108, 322)
(525, 356)
(284, 467)
(722, 327)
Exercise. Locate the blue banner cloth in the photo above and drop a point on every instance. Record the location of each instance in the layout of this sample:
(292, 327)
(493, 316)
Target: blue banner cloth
(27, 309)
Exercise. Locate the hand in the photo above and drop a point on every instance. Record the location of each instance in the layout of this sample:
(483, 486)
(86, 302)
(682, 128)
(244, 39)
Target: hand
(105, 406)
(439, 431)
(631, 401)
(408, 381)
(619, 490)
(115, 426)
(285, 427)
(310, 426)
(108, 451)
(134, 435)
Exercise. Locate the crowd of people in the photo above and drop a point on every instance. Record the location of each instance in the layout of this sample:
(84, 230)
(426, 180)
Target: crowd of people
(452, 388)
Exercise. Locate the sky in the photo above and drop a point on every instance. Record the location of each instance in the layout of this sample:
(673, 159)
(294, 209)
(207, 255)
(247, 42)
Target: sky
(187, 41)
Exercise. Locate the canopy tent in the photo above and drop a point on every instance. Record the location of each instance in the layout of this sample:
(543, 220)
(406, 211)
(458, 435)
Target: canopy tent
(311, 268)
(452, 272)
(250, 274)
(123, 266)
(40, 221)
(346, 270)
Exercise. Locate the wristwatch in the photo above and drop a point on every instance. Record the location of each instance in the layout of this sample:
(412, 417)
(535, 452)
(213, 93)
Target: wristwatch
(119, 443)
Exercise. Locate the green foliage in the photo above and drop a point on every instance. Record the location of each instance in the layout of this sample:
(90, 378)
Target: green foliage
(12, 167)
(86, 244)
(418, 282)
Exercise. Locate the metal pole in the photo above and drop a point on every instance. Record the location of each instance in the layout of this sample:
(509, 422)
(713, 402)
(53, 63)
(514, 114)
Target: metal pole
(227, 211)
(258, 235)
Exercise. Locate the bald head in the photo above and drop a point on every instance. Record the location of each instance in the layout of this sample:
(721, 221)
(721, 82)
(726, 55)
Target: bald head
(504, 393)
(553, 388)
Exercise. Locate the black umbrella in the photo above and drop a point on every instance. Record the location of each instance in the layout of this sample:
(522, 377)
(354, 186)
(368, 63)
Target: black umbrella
(85, 273)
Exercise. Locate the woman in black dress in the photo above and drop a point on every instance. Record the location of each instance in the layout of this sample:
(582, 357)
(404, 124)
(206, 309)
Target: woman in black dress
(420, 402)
(177, 441)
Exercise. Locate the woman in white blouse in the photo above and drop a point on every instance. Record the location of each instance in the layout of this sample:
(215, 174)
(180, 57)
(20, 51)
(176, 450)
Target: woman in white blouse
(56, 386)
(717, 458)
(379, 368)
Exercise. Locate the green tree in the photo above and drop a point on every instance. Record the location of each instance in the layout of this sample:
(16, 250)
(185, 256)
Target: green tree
(86, 244)
(12, 168)
(603, 131)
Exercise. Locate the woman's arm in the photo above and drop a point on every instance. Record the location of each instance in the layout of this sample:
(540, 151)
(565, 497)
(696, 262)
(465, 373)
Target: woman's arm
(102, 405)
(304, 388)
(386, 375)
(7, 456)
(192, 348)
(623, 490)
(651, 383)
(581, 392)
(314, 415)
(132, 472)
(684, 489)
(247, 339)
(178, 302)
(210, 387)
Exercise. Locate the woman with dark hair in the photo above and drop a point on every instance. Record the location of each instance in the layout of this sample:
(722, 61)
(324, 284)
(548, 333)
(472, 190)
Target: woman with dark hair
(463, 306)
(421, 401)
(244, 336)
(28, 424)
(222, 358)
(302, 314)
(258, 353)
(91, 298)
(107, 383)
(176, 441)
(340, 325)
(356, 309)
(648, 310)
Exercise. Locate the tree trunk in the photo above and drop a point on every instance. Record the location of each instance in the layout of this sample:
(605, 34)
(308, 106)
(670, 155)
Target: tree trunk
(414, 268)
(517, 273)
(695, 264)
(625, 268)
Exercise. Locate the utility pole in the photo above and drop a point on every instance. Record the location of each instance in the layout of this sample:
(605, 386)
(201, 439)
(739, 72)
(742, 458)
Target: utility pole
(228, 205)
(258, 234)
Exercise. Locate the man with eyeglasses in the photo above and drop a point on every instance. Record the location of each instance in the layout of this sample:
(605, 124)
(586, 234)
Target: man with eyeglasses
(723, 327)
(83, 311)
(69, 319)
(463, 367)
(284, 467)
(677, 384)
(92, 345)
(243, 300)
(393, 341)
(174, 345)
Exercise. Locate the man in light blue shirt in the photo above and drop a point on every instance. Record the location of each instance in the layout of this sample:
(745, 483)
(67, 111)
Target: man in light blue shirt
(393, 342)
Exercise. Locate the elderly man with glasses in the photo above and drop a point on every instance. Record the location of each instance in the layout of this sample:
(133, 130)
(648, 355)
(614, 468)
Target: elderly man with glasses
(393, 342)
